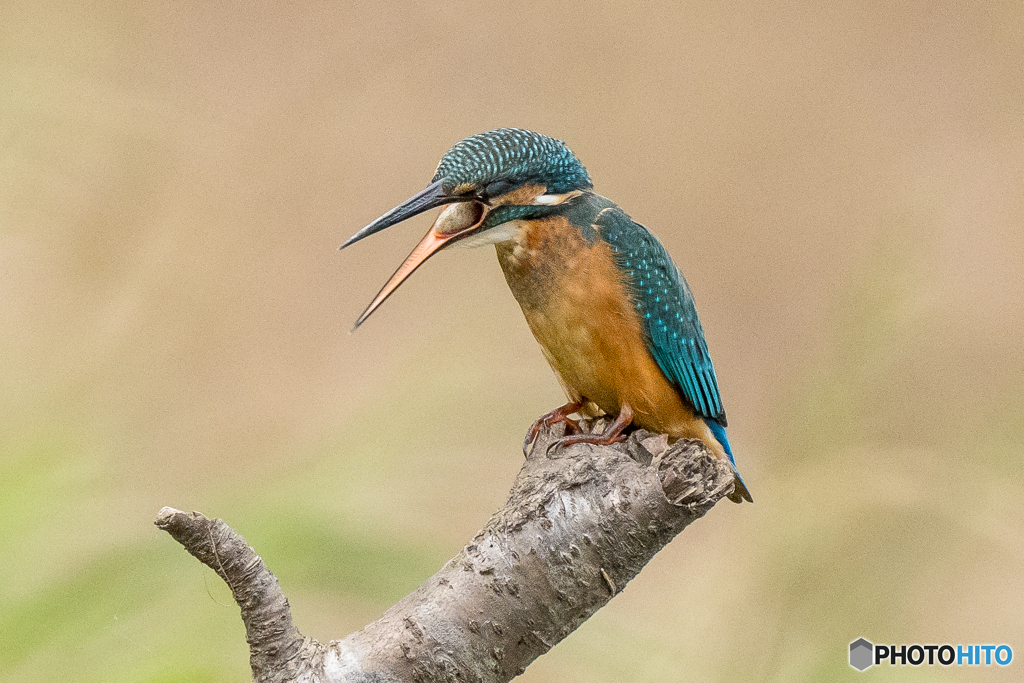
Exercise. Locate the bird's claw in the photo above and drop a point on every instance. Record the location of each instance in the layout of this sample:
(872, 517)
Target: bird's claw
(560, 414)
(612, 433)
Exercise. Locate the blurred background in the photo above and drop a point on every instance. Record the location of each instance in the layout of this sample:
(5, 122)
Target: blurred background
(842, 185)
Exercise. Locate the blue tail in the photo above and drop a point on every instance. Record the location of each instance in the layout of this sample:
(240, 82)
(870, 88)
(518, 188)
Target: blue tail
(741, 493)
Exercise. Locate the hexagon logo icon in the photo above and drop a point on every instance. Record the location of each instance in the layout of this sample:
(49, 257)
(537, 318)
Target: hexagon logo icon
(862, 654)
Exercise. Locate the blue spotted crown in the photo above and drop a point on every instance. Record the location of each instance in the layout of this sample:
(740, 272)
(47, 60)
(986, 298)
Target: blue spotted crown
(515, 155)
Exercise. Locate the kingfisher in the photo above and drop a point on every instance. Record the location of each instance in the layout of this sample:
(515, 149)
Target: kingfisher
(614, 317)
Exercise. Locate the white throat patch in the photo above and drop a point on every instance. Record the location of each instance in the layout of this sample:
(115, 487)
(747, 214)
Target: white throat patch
(495, 235)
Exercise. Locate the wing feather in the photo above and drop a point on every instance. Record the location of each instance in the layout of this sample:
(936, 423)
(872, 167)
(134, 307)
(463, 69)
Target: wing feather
(666, 307)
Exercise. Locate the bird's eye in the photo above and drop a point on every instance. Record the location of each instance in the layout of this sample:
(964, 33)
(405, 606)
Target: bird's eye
(498, 188)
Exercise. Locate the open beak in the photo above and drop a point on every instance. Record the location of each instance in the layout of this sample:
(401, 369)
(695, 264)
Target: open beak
(430, 198)
(455, 222)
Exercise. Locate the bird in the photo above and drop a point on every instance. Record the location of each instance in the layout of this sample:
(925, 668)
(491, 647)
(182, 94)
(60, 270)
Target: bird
(614, 316)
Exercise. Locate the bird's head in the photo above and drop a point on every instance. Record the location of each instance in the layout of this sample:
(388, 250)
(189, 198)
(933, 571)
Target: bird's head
(487, 181)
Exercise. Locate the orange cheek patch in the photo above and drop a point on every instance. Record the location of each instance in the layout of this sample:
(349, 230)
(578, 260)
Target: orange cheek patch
(522, 195)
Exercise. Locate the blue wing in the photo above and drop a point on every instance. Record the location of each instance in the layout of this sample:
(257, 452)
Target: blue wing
(665, 304)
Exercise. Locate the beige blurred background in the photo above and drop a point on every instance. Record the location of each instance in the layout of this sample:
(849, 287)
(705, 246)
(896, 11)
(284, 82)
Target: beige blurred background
(843, 187)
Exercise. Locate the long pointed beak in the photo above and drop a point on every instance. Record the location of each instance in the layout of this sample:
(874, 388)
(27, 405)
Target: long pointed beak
(454, 223)
(430, 198)
(428, 246)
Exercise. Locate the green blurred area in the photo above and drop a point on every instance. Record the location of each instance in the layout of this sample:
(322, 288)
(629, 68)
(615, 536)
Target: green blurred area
(843, 186)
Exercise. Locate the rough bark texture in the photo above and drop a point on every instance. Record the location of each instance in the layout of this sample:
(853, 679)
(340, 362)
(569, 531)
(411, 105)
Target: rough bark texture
(277, 651)
(578, 525)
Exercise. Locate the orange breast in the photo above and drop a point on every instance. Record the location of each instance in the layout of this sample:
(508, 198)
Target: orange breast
(581, 314)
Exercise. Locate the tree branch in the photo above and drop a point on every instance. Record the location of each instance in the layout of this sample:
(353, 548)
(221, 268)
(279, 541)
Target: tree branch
(579, 524)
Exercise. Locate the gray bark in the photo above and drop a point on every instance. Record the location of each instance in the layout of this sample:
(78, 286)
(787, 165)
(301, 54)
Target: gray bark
(579, 524)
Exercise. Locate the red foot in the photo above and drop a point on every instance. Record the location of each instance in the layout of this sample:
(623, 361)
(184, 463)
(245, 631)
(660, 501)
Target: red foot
(554, 417)
(612, 434)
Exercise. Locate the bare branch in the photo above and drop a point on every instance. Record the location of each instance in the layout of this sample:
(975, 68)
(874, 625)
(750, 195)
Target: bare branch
(579, 524)
(278, 652)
